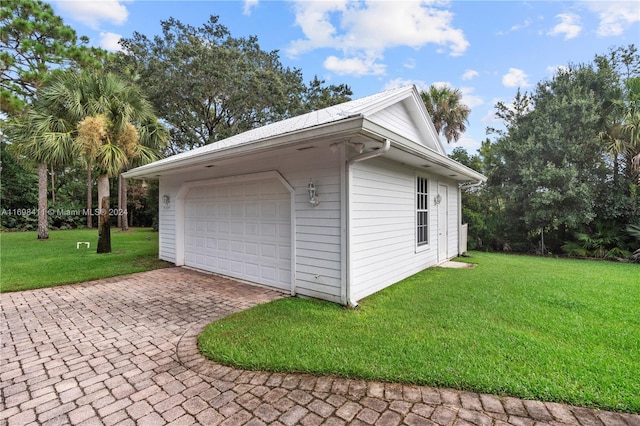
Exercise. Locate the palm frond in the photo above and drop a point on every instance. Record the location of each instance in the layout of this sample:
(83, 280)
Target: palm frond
(111, 159)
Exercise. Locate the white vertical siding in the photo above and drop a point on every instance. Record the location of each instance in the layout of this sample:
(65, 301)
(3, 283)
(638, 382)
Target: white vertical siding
(382, 234)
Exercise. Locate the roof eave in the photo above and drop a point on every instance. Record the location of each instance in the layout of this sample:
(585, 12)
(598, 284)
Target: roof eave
(348, 124)
(444, 161)
(422, 152)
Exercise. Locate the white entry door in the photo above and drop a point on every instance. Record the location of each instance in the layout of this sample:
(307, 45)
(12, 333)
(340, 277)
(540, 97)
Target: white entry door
(242, 230)
(443, 229)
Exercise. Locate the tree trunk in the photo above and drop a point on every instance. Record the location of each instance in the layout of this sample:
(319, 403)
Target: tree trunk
(89, 198)
(118, 216)
(104, 227)
(124, 211)
(43, 225)
(53, 186)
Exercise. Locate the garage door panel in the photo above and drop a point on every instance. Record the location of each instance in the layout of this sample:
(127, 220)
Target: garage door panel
(212, 228)
(284, 274)
(284, 231)
(252, 209)
(237, 267)
(252, 270)
(252, 230)
(268, 251)
(236, 210)
(284, 209)
(269, 210)
(222, 210)
(236, 229)
(269, 230)
(237, 247)
(284, 254)
(242, 230)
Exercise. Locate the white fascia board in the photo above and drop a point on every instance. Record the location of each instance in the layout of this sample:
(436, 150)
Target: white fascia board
(419, 112)
(382, 133)
(444, 161)
(420, 151)
(349, 124)
(428, 121)
(385, 102)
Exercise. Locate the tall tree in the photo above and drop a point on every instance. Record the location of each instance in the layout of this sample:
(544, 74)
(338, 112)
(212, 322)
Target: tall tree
(18, 191)
(318, 96)
(448, 113)
(98, 117)
(620, 108)
(549, 164)
(631, 123)
(208, 85)
(34, 41)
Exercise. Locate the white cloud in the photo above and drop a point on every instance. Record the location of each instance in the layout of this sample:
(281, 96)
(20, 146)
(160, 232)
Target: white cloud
(365, 29)
(490, 118)
(109, 41)
(515, 78)
(469, 99)
(517, 27)
(569, 26)
(467, 142)
(442, 84)
(248, 5)
(93, 12)
(469, 74)
(401, 82)
(409, 63)
(354, 66)
(615, 17)
(555, 69)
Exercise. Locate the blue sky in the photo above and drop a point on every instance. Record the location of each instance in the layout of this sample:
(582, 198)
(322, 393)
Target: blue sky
(487, 49)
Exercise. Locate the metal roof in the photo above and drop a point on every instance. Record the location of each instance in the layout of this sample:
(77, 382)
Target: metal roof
(277, 132)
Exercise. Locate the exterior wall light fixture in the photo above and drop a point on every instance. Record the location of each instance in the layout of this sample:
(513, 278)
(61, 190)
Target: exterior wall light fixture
(313, 196)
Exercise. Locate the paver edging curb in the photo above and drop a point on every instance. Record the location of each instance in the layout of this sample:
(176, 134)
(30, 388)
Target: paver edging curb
(189, 356)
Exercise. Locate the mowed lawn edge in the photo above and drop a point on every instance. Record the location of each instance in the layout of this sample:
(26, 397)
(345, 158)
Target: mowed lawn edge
(28, 263)
(536, 328)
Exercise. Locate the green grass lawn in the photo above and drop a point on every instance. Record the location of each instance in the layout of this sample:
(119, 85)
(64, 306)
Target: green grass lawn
(537, 328)
(28, 263)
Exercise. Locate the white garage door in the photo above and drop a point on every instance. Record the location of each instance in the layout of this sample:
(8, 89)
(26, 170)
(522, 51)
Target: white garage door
(242, 230)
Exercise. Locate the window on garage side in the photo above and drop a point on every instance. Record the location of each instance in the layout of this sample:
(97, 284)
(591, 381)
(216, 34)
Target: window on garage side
(422, 211)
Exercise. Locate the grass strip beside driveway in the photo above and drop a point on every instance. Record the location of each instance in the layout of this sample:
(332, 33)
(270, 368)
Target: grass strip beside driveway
(28, 263)
(537, 328)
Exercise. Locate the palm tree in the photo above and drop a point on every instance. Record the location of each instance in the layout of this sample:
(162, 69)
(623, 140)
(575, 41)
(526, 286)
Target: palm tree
(612, 128)
(33, 146)
(631, 126)
(621, 125)
(100, 119)
(448, 113)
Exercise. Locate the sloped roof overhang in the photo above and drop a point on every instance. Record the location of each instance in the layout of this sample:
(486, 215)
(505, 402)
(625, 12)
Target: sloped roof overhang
(402, 150)
(177, 163)
(418, 156)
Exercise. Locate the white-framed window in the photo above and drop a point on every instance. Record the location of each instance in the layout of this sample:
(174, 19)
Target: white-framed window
(422, 211)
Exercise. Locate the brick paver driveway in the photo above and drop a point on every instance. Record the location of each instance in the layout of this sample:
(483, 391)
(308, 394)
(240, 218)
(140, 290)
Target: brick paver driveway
(123, 351)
